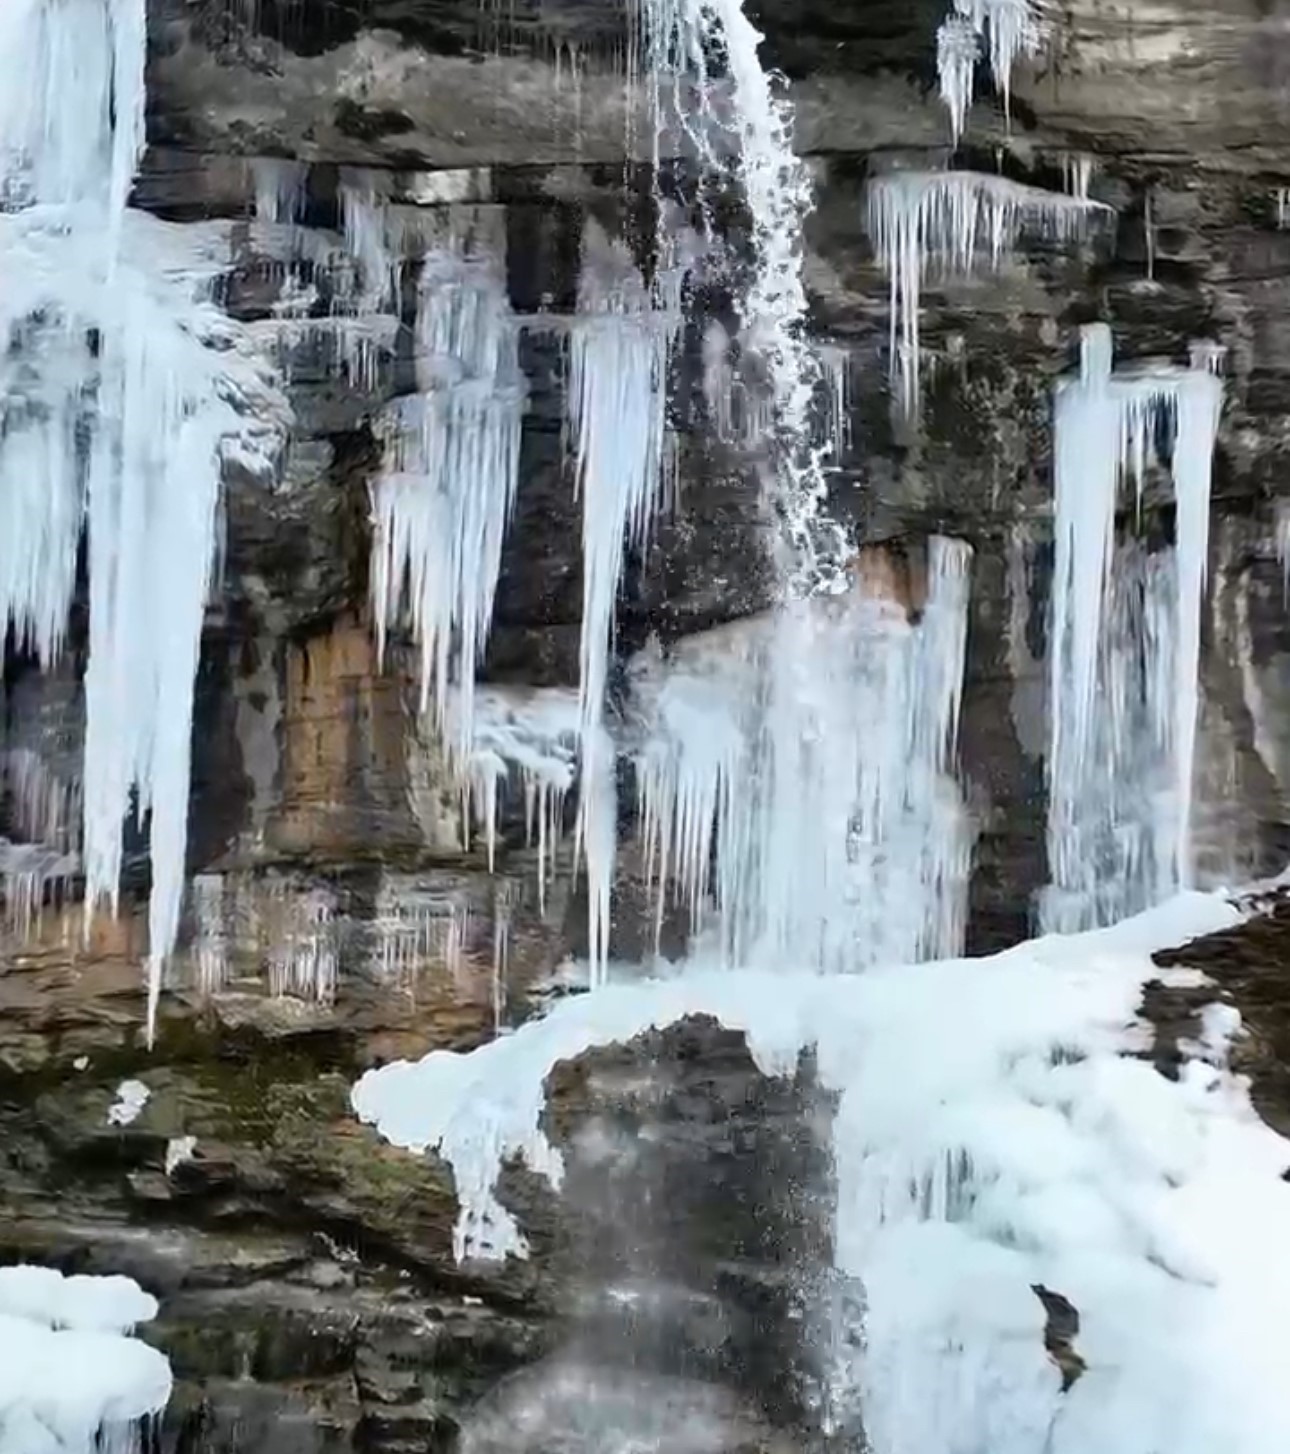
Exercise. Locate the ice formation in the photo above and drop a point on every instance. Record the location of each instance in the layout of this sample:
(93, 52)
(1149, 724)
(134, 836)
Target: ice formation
(809, 756)
(1032, 1149)
(947, 225)
(442, 500)
(1125, 637)
(1007, 29)
(620, 349)
(538, 736)
(123, 391)
(131, 1097)
(303, 958)
(72, 1379)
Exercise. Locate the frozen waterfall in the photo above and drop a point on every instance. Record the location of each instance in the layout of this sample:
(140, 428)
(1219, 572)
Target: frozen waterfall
(810, 757)
(1125, 638)
(124, 393)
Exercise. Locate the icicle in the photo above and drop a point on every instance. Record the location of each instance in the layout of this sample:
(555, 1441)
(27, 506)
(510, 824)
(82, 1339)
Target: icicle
(1009, 29)
(443, 498)
(957, 48)
(281, 189)
(926, 224)
(620, 349)
(835, 362)
(303, 959)
(1281, 536)
(1199, 404)
(1078, 170)
(210, 940)
(1125, 640)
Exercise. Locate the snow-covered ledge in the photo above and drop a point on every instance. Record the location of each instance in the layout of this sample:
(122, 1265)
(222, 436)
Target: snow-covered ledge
(994, 1134)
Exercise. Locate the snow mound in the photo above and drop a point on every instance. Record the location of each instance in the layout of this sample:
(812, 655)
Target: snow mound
(993, 1134)
(72, 1380)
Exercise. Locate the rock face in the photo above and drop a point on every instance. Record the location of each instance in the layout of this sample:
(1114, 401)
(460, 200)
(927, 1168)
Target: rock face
(310, 1297)
(343, 912)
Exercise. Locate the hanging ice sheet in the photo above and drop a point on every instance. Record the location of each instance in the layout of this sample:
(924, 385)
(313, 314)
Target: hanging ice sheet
(1124, 647)
(952, 224)
(810, 756)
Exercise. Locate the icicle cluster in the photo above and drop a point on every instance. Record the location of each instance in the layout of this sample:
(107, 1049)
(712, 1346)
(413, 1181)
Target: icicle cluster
(946, 224)
(123, 392)
(1006, 29)
(442, 500)
(1125, 638)
(810, 757)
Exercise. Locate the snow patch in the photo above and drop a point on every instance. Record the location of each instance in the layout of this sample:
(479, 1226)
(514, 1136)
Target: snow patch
(131, 1097)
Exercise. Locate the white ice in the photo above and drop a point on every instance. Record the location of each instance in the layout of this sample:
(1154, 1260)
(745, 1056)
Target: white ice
(72, 1380)
(123, 392)
(442, 499)
(1125, 636)
(799, 769)
(1005, 29)
(1022, 1144)
(131, 1097)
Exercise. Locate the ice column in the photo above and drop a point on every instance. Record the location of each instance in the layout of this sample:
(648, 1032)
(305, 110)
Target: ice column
(1125, 638)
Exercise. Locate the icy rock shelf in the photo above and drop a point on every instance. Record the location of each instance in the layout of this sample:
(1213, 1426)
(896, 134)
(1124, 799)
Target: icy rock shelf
(1031, 1148)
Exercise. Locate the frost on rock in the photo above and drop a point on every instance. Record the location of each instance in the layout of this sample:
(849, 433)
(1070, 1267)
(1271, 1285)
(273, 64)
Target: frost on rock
(1029, 1146)
(123, 392)
(944, 225)
(798, 770)
(72, 1379)
(1125, 636)
(442, 499)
